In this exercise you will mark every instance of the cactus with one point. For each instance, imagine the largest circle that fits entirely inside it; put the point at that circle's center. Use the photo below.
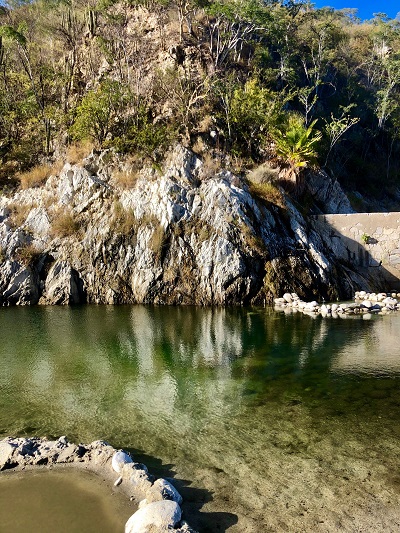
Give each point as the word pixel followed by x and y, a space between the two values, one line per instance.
pixel 47 128
pixel 66 21
pixel 1 50
pixel 91 21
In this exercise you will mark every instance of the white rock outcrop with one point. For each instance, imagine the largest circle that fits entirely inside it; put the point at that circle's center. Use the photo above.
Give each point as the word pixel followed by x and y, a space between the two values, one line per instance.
pixel 174 238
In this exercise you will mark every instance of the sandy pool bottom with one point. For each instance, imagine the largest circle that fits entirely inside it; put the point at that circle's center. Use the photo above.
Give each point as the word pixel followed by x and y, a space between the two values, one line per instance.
pixel 67 501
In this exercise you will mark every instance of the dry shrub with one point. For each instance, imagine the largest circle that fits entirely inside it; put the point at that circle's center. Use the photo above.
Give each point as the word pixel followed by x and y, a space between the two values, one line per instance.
pixel 211 166
pixel 57 167
pixel 18 214
pixel 27 254
pixel 199 147
pixel 268 192
pixel 49 201
pixel 206 124
pixel 124 179
pixel 77 152
pixel 157 240
pixel 34 177
pixel 264 173
pixel 64 224
pixel 123 220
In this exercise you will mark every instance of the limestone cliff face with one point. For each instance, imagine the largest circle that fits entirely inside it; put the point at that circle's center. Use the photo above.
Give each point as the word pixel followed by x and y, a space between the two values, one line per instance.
pixel 176 237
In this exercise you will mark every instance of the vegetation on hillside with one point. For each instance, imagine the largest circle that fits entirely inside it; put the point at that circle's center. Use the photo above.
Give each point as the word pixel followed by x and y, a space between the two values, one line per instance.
pixel 250 80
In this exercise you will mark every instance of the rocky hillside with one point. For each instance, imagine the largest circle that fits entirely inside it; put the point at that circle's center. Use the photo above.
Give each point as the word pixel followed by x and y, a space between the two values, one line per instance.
pixel 97 233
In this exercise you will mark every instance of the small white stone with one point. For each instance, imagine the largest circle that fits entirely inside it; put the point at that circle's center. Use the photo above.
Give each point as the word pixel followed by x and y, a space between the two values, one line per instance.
pixel 119 460
pixel 143 503
pixel 118 481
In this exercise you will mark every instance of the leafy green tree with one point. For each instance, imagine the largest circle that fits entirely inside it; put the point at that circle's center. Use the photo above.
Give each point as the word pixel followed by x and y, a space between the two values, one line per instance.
pixel 253 111
pixel 99 112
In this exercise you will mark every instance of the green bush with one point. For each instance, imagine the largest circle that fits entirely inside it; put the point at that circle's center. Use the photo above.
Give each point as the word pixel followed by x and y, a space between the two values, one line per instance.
pixel 99 113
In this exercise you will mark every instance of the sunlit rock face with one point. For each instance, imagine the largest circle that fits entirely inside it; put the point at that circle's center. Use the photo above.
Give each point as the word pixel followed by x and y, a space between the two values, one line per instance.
pixel 175 237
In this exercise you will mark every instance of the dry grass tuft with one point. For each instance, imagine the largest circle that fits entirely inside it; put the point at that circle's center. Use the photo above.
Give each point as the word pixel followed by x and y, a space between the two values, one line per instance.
pixel 157 240
pixel 34 177
pixel 264 173
pixel 77 152
pixel 211 166
pixel 125 179
pixel 268 192
pixel 18 214
pixel 27 254
pixel 64 224
pixel 199 147
pixel 57 167
pixel 123 220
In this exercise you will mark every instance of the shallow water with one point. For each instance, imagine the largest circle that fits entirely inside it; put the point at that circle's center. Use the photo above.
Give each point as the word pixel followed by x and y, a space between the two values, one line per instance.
pixel 67 501
pixel 269 422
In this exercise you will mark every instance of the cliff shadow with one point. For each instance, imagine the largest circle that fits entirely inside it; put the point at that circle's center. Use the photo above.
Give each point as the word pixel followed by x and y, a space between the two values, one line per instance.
pixel 364 262
pixel 194 498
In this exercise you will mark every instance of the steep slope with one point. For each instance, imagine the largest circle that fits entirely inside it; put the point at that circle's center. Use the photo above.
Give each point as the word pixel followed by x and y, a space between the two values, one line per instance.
pixel 175 238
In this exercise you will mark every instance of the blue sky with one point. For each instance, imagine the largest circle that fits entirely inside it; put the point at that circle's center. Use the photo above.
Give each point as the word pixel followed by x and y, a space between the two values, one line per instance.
pixel 365 7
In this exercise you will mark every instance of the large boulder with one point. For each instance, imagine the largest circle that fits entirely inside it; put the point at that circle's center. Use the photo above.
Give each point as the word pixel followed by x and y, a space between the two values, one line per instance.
pixel 155 517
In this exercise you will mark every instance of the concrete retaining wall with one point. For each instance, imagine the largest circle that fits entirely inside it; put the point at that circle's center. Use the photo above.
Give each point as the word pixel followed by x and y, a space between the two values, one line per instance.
pixel 365 240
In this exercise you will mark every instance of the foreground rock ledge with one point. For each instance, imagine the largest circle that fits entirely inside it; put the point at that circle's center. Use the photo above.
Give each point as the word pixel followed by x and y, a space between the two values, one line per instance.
pixel 157 500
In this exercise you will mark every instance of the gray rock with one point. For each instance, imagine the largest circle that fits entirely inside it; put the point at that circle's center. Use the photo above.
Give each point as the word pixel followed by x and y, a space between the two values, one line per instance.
pixel 62 286
pixel 328 192
pixel 139 480
pixel 19 285
pixel 157 516
pixel 179 238
pixel 67 454
pixel 163 490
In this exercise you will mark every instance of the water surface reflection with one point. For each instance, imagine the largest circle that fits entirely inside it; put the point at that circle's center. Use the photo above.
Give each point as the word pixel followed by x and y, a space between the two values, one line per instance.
pixel 242 401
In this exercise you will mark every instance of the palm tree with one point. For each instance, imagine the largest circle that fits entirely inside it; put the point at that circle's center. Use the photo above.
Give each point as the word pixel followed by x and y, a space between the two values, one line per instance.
pixel 296 143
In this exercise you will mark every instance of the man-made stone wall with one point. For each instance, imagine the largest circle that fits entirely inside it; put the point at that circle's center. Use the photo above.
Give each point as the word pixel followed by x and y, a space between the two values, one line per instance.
pixel 365 240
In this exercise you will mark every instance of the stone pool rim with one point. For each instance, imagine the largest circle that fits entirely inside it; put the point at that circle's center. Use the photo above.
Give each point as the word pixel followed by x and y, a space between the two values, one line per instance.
pixel 155 501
